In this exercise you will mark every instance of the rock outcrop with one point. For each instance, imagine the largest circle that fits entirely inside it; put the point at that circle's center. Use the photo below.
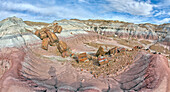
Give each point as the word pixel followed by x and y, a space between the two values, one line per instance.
pixel 117 28
pixel 14 32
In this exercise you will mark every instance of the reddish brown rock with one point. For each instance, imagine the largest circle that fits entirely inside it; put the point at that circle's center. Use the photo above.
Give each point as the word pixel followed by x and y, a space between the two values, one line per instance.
pixel 65 54
pixel 54 24
pixel 45 29
pixel 37 33
pixel 102 60
pixel 43 35
pixel 100 51
pixel 62 46
pixel 45 42
pixel 82 58
pixel 53 38
pixel 113 51
pixel 57 29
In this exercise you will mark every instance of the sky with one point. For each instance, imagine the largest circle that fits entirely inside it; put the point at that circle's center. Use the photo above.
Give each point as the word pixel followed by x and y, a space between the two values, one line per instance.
pixel 136 11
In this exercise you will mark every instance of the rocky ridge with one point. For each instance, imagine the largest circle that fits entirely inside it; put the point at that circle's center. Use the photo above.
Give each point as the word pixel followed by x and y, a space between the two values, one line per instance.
pixel 117 28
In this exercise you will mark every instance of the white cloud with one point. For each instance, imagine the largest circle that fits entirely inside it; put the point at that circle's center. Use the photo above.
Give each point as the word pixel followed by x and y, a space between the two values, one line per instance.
pixel 162 13
pixel 130 6
pixel 5 14
pixel 49 11
pixel 53 11
pixel 165 20
pixel 164 4
pixel 82 0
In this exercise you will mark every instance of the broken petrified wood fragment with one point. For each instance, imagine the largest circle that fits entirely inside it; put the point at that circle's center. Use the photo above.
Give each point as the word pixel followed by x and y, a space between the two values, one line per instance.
pixel 37 33
pixel 45 29
pixel 53 38
pixel 43 35
pixel 121 50
pixel 102 60
pixel 57 29
pixel 100 51
pixel 137 47
pixel 82 58
pixel 55 24
pixel 113 51
pixel 64 54
pixel 45 43
pixel 82 55
pixel 52 44
pixel 62 46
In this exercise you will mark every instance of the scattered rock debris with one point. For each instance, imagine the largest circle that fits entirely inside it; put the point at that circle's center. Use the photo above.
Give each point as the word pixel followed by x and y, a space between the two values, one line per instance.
pixel 137 47
pixel 82 58
pixel 100 63
pixel 102 60
pixel 103 63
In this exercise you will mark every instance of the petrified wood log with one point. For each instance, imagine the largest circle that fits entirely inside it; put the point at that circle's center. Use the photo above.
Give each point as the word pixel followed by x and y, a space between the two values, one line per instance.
pixel 37 33
pixel 82 55
pixel 45 29
pixel 45 43
pixel 43 35
pixel 53 38
pixel 57 29
pixel 82 58
pixel 62 46
pixel 52 44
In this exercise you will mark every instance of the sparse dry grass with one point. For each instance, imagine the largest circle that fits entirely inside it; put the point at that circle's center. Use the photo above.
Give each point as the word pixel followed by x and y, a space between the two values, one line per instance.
pixel 145 42
pixel 134 39
pixel 130 43
pixel 159 48
pixel 97 45
pixel 30 23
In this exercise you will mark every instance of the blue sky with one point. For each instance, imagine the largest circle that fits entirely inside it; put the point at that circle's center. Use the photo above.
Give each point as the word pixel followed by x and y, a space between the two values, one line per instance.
pixel 136 11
